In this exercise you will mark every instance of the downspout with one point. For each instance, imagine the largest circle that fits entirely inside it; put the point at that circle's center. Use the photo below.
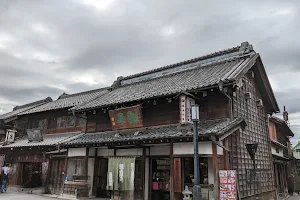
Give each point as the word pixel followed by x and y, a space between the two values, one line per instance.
pixel 221 87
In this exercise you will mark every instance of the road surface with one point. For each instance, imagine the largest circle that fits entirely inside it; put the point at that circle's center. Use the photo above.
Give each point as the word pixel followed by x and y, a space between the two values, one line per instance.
pixel 20 196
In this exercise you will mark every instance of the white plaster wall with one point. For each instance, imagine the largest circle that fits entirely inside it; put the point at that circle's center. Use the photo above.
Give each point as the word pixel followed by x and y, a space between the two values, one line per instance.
pixel 72 152
pixel 91 165
pixel 188 148
pixel 129 152
pixel 159 150
pixel 92 152
pixel 105 152
pixel 275 153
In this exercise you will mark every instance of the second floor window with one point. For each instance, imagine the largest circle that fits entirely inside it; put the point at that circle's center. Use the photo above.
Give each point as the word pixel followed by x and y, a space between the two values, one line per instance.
pixel 39 124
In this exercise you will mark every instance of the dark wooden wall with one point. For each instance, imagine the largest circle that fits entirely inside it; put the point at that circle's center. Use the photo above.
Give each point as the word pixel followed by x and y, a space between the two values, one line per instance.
pixel 213 106
pixel 25 122
pixel 256 131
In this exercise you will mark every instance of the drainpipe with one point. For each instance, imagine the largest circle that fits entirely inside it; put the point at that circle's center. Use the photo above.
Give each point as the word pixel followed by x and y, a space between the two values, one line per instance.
pixel 221 87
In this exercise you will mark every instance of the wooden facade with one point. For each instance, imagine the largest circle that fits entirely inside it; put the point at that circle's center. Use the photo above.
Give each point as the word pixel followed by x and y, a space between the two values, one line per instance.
pixel 255 132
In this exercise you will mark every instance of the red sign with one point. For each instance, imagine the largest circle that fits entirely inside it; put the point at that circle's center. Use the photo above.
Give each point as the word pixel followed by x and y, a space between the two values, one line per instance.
pixel 123 118
pixel 227 184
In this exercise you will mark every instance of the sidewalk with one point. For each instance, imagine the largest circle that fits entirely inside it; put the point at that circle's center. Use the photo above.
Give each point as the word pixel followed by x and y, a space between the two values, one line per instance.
pixel 295 197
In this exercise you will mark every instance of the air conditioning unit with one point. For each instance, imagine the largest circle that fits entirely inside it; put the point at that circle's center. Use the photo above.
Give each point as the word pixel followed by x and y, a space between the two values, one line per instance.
pixel 10 135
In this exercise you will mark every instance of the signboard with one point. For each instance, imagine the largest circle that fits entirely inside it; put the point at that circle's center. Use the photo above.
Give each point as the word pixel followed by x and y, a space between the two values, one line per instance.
pixel 10 136
pixel 227 184
pixel 122 118
pixel 177 175
pixel 34 135
pixel 185 109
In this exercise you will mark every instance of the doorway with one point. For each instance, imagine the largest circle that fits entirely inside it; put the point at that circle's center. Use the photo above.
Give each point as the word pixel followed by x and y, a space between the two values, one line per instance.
pixel 100 178
pixel 160 179
pixel 32 175
pixel 56 176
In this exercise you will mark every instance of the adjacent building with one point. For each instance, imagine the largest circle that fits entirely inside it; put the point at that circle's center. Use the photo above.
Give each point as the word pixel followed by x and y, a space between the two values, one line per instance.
pixel 133 140
pixel 280 134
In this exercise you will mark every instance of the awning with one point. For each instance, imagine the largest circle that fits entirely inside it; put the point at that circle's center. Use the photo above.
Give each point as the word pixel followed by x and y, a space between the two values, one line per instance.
pixel 48 140
pixel 217 128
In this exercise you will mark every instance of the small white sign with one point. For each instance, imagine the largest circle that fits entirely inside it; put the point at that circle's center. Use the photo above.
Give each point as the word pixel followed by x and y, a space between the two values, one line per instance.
pixel 121 172
pixel 110 179
pixel 10 135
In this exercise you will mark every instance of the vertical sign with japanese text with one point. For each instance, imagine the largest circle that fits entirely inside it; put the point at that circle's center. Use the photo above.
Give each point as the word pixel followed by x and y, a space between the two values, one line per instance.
pixel 227 184
pixel 123 118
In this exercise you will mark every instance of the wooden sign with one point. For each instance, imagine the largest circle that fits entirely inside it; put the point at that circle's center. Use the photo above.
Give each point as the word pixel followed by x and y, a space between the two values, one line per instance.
pixel 185 103
pixel 227 184
pixel 123 118
pixel 34 135
pixel 177 175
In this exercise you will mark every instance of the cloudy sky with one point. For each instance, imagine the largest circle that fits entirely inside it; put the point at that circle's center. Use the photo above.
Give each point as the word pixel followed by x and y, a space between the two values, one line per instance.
pixel 51 47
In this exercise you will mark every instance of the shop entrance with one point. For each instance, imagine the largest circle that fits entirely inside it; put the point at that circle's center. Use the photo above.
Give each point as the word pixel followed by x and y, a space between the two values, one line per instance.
pixel 32 176
pixel 101 180
pixel 160 179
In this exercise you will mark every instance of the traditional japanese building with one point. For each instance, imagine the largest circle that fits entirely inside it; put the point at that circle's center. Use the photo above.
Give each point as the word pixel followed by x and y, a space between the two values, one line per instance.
pixel 36 158
pixel 138 141
pixel 280 134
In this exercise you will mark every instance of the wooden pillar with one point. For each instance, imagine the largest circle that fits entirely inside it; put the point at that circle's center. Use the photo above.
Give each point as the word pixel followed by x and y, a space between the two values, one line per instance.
pixel 281 177
pixel 276 177
pixel 144 171
pixel 48 175
pixel 96 173
pixel 226 156
pixel 150 178
pixel 65 171
pixel 172 194
pixel 86 163
pixel 215 169
pixel 285 177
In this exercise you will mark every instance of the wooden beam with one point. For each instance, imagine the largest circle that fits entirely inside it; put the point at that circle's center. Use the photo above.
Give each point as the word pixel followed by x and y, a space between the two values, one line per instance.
pixel 215 169
pixel 86 163
pixel 226 155
pixel 144 171
pixel 172 194
pixel 65 171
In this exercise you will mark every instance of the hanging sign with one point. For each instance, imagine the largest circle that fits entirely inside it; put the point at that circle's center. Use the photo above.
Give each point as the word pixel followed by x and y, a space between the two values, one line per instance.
pixel 177 175
pixel 227 184
pixel 130 117
pixel 185 103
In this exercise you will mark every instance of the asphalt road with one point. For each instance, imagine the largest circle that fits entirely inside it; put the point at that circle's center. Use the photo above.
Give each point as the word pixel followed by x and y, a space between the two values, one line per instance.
pixel 20 196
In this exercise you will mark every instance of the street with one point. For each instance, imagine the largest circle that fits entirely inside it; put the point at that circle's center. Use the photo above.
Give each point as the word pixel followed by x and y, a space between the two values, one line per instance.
pixel 18 196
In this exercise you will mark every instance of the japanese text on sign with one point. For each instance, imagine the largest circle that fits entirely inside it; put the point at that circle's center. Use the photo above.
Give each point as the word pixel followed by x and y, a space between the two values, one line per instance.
pixel 126 117
pixel 227 184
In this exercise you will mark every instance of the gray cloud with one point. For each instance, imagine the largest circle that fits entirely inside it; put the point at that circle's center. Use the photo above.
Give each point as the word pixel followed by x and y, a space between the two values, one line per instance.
pixel 50 47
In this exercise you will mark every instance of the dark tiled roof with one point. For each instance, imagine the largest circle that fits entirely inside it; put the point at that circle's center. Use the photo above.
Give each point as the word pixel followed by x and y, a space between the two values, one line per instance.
pixel 49 140
pixel 20 109
pixel 283 125
pixel 185 76
pixel 206 128
pixel 67 101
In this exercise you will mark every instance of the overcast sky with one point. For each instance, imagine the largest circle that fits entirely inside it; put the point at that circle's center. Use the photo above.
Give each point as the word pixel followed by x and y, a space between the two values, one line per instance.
pixel 54 46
